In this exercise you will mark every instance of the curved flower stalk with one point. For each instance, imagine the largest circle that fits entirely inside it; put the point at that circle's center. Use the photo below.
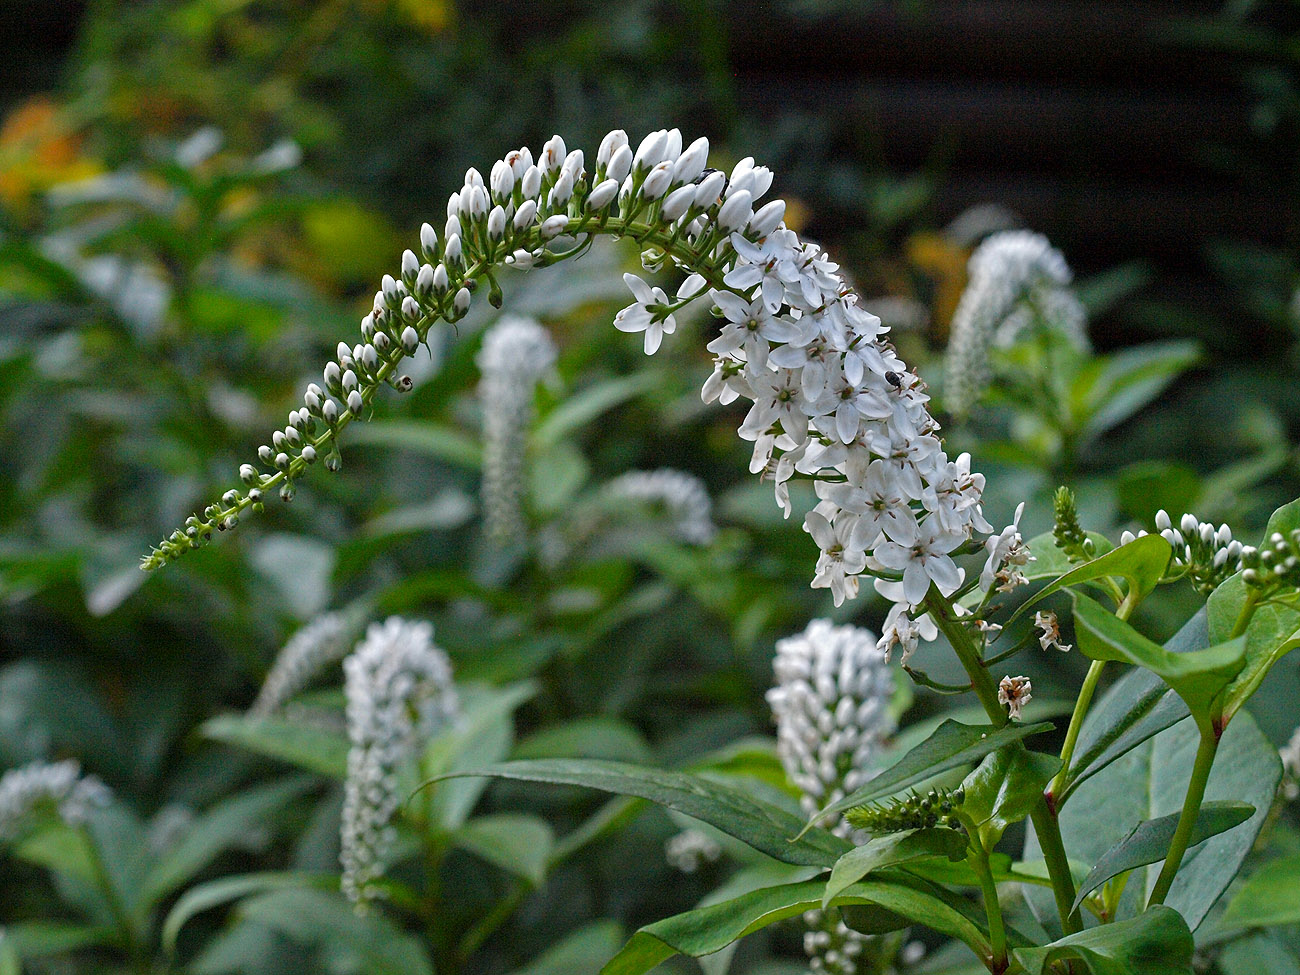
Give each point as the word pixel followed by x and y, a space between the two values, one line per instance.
pixel 831 400
pixel 516 353
pixel 1016 279
pixel 57 784
pixel 399 690
pixel 831 705
pixel 310 650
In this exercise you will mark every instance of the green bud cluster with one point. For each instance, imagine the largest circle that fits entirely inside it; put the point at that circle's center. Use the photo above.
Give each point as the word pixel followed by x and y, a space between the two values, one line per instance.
pixel 938 807
pixel 1067 531
pixel 1275 564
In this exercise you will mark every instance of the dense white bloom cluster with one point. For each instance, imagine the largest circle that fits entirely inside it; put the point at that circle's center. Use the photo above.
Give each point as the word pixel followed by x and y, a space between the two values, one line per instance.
pixel 399 690
pixel 690 849
pixel 831 705
pixel 310 650
pixel 1016 279
pixel 516 353
pixel 830 398
pixel 681 497
pixel 58 784
pixel 1205 552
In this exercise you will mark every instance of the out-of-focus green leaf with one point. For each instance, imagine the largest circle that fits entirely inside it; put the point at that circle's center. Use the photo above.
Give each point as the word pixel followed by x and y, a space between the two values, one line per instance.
pixel 312 748
pixel 516 842
pixel 214 893
pixel 583 407
pixel 581 953
pixel 1110 389
pixel 1268 897
pixel 1155 943
pixel 430 439
pixel 596 737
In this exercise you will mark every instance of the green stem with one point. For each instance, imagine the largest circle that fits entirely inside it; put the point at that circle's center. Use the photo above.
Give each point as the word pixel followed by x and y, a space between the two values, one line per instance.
pixel 979 861
pixel 1187 818
pixel 1044 818
pixel 1076 723
pixel 1247 611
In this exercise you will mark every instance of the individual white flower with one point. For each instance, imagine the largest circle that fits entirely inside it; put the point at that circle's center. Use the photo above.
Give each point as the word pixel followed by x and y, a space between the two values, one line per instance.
pixel 840 563
pixel 516 353
pixel 752 328
pixel 882 508
pixel 640 317
pixel 1008 271
pixel 57 785
pixel 323 641
pixel 923 561
pixel 778 398
pixel 1008 553
pixel 902 630
pixel 1013 694
pixel 690 849
pixel 399 691
pixel 1050 631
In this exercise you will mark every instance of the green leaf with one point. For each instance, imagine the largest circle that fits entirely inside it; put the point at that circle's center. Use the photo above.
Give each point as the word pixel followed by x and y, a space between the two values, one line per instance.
pixel 215 830
pixel 709 929
pixel 421 437
pixel 320 918
pixel 1005 788
pixel 581 953
pixel 1148 842
pixel 1273 632
pixel 579 410
pixel 1142 562
pixel 40 939
pixel 1112 388
pixel 10 962
pixel 1137 707
pixel 594 737
pixel 952 745
pixel 1156 943
pixel 1150 782
pixel 214 893
pixel 893 848
pixel 516 842
pixel 1268 897
pixel 304 746
pixel 1196 676
pixel 765 827
pixel 1050 561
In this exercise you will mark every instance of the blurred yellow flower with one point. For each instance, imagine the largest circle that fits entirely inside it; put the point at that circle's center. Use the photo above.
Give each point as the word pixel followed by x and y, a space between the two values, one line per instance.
pixel 38 149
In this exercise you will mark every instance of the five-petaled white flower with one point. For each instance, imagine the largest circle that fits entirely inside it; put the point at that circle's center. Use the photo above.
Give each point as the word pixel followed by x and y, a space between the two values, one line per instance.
pixel 646 315
pixel 923 561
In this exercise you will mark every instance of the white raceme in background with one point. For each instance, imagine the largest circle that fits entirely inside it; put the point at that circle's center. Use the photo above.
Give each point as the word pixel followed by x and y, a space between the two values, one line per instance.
pixel 680 499
pixel 690 849
pixel 59 785
pixel 831 706
pixel 1016 280
pixel 516 353
pixel 323 641
pixel 399 692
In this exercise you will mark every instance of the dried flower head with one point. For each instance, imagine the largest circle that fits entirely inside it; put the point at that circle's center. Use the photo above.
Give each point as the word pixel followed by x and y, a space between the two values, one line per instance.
pixel 1014 693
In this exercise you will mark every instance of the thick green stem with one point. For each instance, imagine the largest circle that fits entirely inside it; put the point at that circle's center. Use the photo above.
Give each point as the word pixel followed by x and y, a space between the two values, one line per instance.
pixel 1247 611
pixel 1044 818
pixel 1076 723
pixel 1187 818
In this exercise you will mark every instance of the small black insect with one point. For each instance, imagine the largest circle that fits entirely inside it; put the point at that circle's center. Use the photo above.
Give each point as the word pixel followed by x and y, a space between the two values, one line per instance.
pixel 894 379
pixel 706 174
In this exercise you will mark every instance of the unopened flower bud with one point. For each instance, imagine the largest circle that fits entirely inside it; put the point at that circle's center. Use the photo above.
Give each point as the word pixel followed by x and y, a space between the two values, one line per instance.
pixel 392 296
pixel 248 474
pixel 496 223
pixel 560 192
pixel 440 279
pixel 410 308
pixel 657 183
pixel 410 266
pixel 691 162
pixel 282 461
pixel 329 411
pixel 454 252
pixel 553 154
pixel 602 195
pixel 355 402
pixel 452 228
pixel 531 184
pixel 265 454
pixel 554 226
pixel 429 242
pixel 651 150
pixel 678 202
pixel 349 381
pixel 525 215
pixel 462 300
pixel 309 454
pixel 735 210
pixel 615 140
pixel 503 180
pixel 424 280
pixel 766 218
pixel 410 339
pixel 620 164
pixel 710 188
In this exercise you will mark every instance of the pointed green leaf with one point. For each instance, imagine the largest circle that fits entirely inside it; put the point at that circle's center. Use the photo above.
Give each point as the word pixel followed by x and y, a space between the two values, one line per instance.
pixel 1005 788
pixel 952 745
pixel 1155 943
pixel 421 437
pixel 40 939
pixel 1111 388
pixel 312 748
pixel 709 929
pixel 1050 561
pixel 763 826
pixel 1142 562
pixel 1148 842
pixel 583 407
pixel 214 893
pixel 893 848
pixel 1197 676
pixel 581 953
pixel 516 842
pixel 1268 897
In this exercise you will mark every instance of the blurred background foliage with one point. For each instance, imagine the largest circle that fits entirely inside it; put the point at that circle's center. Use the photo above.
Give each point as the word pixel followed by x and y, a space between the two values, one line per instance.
pixel 197 198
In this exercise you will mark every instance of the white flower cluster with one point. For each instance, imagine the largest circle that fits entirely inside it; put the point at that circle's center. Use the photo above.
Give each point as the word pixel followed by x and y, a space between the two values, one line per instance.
pixel 1016 278
pixel 831 705
pixel 516 353
pixel 399 690
pixel 690 849
pixel 1204 552
pixel 310 650
pixel 681 497
pixel 831 399
pixel 58 784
